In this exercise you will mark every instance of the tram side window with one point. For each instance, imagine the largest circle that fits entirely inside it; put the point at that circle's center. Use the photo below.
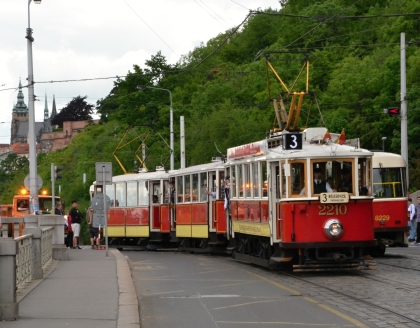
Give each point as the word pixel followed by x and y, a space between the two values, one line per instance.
pixel 363 176
pixel 240 180
pixel 203 186
pixel 194 191
pixel 263 179
pixel 166 192
pixel 297 178
pixel 248 186
pixel 143 193
pixel 282 186
pixel 233 182
pixel 256 182
pixel 179 189
pixel 110 192
pixel 156 193
pixel 131 193
pixel 187 195
pixel 120 194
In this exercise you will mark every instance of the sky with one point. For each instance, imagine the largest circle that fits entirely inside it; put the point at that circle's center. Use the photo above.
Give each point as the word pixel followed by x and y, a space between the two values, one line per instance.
pixel 85 39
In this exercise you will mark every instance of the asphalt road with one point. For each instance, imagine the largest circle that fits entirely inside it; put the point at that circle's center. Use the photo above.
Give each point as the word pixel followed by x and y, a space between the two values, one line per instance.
pixel 189 291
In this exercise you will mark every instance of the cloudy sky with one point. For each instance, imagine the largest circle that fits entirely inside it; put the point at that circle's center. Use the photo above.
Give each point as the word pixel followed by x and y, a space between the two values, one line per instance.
pixel 84 39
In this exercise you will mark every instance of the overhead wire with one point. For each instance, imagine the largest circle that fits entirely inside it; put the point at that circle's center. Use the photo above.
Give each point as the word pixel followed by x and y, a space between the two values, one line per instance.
pixel 151 29
pixel 209 13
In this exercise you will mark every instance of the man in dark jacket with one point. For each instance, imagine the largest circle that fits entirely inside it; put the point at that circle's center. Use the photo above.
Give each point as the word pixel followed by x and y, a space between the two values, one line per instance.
pixel 76 218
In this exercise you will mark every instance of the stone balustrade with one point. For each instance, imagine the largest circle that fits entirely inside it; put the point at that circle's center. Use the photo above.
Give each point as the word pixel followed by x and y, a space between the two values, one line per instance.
pixel 25 258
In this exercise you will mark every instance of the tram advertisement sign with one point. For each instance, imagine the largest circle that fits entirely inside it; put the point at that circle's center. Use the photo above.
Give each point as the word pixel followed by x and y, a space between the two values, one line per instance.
pixel 334 197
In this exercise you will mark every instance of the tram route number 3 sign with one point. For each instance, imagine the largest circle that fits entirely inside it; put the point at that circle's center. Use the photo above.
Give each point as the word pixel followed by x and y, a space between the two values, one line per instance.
pixel 334 197
pixel 292 141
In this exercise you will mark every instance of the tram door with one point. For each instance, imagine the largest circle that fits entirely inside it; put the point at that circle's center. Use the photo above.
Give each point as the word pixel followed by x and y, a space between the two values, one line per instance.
pixel 154 201
pixel 275 193
pixel 212 186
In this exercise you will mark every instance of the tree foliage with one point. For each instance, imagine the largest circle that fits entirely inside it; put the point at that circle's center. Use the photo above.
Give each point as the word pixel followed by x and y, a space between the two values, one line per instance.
pixel 76 110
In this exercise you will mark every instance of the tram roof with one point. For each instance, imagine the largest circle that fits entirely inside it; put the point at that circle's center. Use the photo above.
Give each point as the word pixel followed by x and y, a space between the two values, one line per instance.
pixel 309 150
pixel 218 165
pixel 385 159
pixel 155 175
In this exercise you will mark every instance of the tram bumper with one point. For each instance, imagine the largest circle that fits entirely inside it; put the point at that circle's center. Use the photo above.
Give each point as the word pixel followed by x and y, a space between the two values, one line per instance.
pixel 340 256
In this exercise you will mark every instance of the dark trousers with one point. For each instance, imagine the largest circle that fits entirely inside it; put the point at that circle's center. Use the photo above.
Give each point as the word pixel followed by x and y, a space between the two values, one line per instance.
pixel 418 232
pixel 69 239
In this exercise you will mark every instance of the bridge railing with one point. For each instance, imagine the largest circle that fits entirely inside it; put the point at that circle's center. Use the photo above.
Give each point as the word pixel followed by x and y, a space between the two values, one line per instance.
pixel 25 258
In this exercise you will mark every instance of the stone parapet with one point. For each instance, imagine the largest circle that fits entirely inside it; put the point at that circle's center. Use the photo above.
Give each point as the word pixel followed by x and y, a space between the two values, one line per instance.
pixel 9 308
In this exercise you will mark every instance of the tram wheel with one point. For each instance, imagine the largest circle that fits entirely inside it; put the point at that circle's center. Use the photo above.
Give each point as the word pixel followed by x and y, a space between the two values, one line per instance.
pixel 380 250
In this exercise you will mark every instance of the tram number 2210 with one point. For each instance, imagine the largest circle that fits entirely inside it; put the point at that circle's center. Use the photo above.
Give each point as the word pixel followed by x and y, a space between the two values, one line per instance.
pixel 333 209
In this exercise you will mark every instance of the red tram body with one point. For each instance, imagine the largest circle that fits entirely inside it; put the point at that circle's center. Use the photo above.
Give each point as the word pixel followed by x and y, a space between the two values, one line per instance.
pixel 390 203
pixel 200 219
pixel 277 216
pixel 139 214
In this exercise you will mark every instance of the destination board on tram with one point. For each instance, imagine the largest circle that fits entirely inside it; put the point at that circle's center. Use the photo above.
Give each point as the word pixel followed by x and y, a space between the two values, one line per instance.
pixel 292 141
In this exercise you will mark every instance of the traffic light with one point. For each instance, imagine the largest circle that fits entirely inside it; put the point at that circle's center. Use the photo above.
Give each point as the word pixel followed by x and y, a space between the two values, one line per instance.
pixel 57 169
pixel 392 111
pixel 54 172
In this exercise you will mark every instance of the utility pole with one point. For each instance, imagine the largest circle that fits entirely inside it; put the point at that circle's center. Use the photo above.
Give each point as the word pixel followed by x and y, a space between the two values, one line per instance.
pixel 403 97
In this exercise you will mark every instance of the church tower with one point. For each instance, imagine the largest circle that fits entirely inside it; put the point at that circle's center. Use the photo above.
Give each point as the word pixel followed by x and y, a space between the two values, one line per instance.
pixel 46 112
pixel 20 114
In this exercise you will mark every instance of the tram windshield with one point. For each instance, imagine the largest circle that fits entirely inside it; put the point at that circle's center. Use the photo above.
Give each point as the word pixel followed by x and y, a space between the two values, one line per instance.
pixel 388 182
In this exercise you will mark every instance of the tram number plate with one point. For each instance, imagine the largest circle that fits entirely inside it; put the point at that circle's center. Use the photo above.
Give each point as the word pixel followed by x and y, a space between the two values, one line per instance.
pixel 334 197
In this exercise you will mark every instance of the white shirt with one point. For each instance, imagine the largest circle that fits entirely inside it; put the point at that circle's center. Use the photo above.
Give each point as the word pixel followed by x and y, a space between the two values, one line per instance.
pixel 412 210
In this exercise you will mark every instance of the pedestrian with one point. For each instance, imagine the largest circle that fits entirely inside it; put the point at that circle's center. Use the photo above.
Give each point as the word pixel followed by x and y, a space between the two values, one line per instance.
pixel 411 211
pixel 93 231
pixel 59 209
pixel 418 222
pixel 76 218
pixel 69 238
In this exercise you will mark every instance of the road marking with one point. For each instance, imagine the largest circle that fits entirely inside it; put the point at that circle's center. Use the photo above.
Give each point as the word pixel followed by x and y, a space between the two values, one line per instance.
pixel 173 291
pixel 241 283
pixel 244 304
pixel 325 307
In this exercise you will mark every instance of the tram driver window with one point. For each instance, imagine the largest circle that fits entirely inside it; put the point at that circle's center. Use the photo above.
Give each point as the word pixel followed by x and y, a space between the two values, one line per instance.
pixel 297 178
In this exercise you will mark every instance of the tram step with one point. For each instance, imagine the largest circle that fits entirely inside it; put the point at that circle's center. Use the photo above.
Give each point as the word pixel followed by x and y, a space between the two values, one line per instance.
pixel 281 259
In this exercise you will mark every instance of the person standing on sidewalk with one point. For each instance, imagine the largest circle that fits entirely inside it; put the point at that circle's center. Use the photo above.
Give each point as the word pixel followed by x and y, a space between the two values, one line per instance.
pixel 411 211
pixel 93 231
pixel 76 217
pixel 418 222
pixel 59 209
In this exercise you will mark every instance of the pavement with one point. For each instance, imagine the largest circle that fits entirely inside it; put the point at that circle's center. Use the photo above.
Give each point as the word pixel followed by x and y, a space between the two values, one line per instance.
pixel 90 290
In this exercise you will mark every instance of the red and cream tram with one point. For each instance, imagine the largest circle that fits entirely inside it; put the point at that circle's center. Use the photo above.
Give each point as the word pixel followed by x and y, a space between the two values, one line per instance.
pixel 200 220
pixel 280 215
pixel 139 215
pixel 390 203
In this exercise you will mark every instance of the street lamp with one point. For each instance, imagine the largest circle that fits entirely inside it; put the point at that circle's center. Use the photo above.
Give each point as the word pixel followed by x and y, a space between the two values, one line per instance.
pixel 383 143
pixel 171 120
pixel 33 178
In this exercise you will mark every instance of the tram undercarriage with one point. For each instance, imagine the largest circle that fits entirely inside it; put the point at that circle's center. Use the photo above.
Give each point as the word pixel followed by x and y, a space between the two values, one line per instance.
pixel 216 244
pixel 299 258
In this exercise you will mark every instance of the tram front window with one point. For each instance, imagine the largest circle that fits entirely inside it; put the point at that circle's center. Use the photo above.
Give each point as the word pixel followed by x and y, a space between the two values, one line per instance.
pixel 387 183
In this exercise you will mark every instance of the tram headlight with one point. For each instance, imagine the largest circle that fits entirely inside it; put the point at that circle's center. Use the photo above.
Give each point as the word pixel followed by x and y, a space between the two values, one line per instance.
pixel 333 228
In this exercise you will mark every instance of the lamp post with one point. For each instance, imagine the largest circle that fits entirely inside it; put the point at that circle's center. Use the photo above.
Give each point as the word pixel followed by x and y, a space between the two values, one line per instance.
pixel 171 121
pixel 383 143
pixel 33 183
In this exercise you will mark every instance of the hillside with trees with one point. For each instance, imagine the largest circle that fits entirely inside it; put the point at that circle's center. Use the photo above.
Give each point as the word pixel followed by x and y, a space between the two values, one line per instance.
pixel 222 90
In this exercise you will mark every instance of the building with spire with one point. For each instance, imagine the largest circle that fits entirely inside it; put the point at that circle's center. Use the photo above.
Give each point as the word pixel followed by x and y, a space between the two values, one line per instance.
pixel 46 138
pixel 20 121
